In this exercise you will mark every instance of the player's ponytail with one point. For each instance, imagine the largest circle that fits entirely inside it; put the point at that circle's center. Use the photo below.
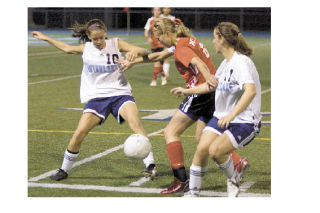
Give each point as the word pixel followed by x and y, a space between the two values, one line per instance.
pixel 234 37
pixel 166 25
pixel 82 30
pixel 183 31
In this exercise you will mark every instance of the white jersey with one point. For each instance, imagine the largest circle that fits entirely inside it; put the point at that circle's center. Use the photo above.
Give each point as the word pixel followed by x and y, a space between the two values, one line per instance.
pixel 172 18
pixel 101 76
pixel 148 25
pixel 231 76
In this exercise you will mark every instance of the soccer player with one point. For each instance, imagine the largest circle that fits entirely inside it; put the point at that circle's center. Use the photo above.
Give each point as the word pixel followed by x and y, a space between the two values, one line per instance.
pixel 104 88
pixel 166 14
pixel 194 64
pixel 156 47
pixel 237 119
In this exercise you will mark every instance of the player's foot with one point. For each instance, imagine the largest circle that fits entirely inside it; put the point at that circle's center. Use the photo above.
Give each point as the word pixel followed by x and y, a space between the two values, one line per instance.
pixel 163 81
pixel 191 194
pixel 153 83
pixel 232 188
pixel 177 186
pixel 150 171
pixel 240 167
pixel 59 175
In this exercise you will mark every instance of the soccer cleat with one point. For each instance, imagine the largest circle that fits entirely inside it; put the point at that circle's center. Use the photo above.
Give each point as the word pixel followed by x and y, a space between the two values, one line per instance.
pixel 177 186
pixel 59 175
pixel 163 81
pixel 191 194
pixel 232 188
pixel 240 167
pixel 153 83
pixel 150 171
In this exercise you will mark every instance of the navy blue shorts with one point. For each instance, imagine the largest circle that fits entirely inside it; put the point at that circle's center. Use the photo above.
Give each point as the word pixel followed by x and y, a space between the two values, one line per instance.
pixel 199 106
pixel 240 134
pixel 103 106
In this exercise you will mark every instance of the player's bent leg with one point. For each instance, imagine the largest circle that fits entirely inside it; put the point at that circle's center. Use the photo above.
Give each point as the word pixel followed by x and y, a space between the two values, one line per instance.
pixel 220 151
pixel 200 126
pixel 200 162
pixel 86 123
pixel 129 112
pixel 178 124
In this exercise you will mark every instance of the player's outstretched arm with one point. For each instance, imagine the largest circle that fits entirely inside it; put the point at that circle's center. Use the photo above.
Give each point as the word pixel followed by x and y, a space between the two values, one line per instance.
pixel 152 57
pixel 132 51
pixel 207 87
pixel 58 44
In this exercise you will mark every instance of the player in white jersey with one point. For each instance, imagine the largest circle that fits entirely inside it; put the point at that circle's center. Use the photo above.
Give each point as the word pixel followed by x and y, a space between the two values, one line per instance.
pixel 236 120
pixel 166 14
pixel 104 88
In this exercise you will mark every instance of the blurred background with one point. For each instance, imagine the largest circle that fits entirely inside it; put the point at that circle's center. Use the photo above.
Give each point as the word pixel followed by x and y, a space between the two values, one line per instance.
pixel 132 19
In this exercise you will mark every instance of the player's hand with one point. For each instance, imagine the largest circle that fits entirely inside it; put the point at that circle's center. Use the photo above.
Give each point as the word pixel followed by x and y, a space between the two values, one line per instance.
pixel 149 40
pixel 39 35
pixel 131 56
pixel 124 64
pixel 224 122
pixel 213 82
pixel 178 91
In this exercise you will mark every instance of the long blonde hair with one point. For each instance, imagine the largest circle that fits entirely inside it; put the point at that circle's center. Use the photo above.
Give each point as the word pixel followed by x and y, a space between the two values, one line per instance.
pixel 233 36
pixel 166 25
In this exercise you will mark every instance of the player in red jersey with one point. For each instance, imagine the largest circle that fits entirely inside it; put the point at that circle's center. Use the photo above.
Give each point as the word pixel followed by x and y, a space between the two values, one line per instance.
pixel 194 64
pixel 155 47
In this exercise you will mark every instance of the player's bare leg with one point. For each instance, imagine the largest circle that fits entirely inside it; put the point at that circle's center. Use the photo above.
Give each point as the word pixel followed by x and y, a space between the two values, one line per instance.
pixel 129 112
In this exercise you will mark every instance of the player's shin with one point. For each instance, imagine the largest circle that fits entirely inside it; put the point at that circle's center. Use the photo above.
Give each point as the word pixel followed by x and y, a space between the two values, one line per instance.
pixel 176 157
pixel 196 175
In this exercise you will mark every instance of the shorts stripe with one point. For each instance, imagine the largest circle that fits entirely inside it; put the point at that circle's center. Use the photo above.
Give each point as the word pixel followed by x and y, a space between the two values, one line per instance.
pixel 187 104
pixel 94 112
pixel 211 129
pixel 118 116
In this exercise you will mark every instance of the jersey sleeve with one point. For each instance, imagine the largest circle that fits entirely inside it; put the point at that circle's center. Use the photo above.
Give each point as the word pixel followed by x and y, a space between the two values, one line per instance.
pixel 244 73
pixel 147 26
pixel 185 55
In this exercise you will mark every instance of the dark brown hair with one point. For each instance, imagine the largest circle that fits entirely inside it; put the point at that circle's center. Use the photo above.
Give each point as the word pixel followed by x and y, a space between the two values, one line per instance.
pixel 82 30
pixel 234 37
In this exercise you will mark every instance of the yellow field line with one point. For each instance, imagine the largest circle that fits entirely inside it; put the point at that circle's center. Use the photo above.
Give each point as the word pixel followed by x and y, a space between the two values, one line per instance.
pixel 116 133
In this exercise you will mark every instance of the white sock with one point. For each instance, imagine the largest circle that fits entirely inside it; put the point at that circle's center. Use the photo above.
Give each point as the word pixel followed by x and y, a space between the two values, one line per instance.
pixel 68 160
pixel 149 159
pixel 228 169
pixel 196 175
pixel 165 68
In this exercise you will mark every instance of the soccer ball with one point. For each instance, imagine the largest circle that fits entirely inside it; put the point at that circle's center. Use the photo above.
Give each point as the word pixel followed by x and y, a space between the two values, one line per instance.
pixel 137 146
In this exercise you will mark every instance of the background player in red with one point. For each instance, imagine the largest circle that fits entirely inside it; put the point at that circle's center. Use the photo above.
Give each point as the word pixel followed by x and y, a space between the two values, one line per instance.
pixel 155 47
pixel 194 64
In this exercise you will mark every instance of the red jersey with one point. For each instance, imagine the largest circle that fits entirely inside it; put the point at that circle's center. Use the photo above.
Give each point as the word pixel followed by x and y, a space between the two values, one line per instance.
pixel 149 26
pixel 186 49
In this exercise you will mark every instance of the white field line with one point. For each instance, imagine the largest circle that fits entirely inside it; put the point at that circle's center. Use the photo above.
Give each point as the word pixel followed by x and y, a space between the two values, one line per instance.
pixel 132 189
pixel 265 91
pixel 140 181
pixel 246 185
pixel 56 79
pixel 88 159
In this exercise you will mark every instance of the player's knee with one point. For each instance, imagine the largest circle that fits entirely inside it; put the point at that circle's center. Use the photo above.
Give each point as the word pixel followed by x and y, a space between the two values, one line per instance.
pixel 214 152
pixel 202 151
pixel 168 132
